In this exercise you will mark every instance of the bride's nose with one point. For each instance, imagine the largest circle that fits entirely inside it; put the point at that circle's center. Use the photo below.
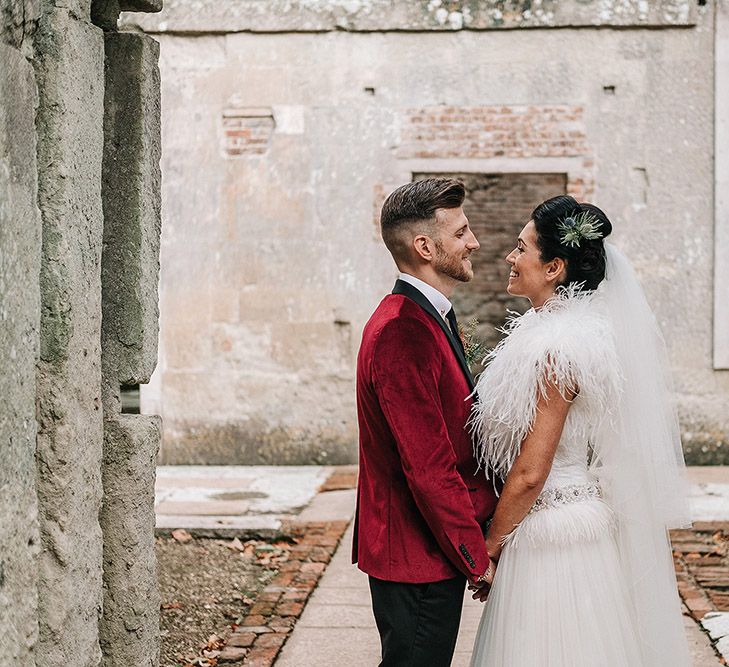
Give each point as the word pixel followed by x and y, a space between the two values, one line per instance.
pixel 510 258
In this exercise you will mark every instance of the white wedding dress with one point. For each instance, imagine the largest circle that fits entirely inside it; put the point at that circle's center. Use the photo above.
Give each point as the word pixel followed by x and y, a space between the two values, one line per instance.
pixel 571 580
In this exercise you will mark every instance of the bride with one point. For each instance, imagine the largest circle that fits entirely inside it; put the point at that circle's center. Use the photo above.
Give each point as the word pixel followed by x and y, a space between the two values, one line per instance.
pixel 574 415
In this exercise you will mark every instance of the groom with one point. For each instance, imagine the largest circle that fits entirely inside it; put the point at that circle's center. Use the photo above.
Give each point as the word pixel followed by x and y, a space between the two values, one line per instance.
pixel 420 501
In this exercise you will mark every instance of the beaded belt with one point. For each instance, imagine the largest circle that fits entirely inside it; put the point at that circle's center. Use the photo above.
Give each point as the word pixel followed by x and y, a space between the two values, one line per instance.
pixel 565 494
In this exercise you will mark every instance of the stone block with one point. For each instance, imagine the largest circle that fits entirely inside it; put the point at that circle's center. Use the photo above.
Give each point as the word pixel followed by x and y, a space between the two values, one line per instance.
pixel 129 626
pixel 20 252
pixel 420 15
pixel 141 5
pixel 69 123
pixel 19 18
pixel 105 14
pixel 131 195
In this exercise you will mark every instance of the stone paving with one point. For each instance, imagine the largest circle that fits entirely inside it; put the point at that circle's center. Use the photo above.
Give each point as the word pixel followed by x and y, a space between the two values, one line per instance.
pixel 217 501
pixel 317 610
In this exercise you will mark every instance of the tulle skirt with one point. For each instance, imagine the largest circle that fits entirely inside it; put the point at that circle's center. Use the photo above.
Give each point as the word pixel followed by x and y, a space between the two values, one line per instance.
pixel 558 599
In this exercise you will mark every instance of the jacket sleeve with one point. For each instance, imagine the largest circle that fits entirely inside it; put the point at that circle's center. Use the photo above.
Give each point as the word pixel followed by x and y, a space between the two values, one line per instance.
pixel 406 370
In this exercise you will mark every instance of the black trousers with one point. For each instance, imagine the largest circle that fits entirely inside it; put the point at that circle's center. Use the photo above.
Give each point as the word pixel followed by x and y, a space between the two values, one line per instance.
pixel 418 623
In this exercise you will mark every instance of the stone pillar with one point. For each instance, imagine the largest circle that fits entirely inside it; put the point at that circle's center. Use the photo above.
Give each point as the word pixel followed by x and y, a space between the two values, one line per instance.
pixel 69 66
pixel 20 251
pixel 130 270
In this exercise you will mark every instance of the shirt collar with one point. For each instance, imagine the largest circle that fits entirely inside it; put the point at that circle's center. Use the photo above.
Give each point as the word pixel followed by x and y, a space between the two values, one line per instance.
pixel 436 298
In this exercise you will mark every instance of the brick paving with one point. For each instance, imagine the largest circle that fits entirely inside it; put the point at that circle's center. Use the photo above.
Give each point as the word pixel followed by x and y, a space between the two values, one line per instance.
pixel 258 639
pixel 701 557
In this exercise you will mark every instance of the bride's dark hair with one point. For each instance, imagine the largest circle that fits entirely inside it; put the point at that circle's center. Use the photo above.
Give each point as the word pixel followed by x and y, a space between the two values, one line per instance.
pixel 585 262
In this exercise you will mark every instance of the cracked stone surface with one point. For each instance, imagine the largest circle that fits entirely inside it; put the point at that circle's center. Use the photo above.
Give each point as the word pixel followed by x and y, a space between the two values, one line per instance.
pixel 420 15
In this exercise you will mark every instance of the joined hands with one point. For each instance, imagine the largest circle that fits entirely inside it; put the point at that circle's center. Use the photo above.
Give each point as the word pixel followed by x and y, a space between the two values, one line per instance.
pixel 483 587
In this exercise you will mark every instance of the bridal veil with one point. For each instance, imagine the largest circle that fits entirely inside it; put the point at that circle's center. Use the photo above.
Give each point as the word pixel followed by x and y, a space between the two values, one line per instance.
pixel 638 458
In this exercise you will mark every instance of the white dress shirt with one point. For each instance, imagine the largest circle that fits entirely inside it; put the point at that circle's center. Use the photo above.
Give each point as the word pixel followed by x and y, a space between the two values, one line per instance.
pixel 436 298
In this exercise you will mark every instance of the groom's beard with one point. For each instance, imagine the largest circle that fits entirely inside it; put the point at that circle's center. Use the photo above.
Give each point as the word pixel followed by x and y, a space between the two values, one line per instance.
pixel 450 265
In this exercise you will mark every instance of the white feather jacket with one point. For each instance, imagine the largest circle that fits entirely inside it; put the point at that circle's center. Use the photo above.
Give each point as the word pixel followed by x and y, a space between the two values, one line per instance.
pixel 569 341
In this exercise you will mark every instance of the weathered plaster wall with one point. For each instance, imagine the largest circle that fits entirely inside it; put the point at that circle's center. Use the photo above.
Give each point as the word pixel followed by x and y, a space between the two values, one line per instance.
pixel 60 577
pixel 20 245
pixel 721 187
pixel 271 256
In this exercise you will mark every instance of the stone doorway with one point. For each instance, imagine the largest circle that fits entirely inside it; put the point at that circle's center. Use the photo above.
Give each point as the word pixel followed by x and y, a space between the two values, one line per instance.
pixel 497 206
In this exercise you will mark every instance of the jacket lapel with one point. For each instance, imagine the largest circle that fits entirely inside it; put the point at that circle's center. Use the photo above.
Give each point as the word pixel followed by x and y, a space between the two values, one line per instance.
pixel 414 294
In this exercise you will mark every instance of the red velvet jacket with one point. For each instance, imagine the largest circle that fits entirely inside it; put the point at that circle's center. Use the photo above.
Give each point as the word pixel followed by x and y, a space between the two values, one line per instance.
pixel 420 502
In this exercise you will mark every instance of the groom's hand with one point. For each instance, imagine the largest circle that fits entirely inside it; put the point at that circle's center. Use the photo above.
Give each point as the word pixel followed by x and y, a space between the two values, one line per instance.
pixel 481 594
pixel 482 587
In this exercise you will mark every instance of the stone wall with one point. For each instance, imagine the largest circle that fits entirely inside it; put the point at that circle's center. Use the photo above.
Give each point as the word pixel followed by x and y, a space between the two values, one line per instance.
pixel 20 253
pixel 300 117
pixel 129 271
pixel 73 567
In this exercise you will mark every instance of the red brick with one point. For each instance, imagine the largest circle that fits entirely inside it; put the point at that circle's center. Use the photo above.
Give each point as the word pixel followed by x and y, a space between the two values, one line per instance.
pixel 300 551
pixel 263 608
pixel 720 599
pixel 306 578
pixel 280 624
pixel 242 639
pixel 692 594
pixel 321 554
pixel 283 578
pixel 699 605
pixel 274 639
pixel 268 595
pixel 296 595
pixel 261 657
pixel 232 654
pixel 315 568
pixel 290 566
pixel 289 608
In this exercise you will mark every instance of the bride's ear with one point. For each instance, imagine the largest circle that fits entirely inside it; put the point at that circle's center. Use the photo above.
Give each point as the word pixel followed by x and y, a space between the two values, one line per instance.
pixel 556 271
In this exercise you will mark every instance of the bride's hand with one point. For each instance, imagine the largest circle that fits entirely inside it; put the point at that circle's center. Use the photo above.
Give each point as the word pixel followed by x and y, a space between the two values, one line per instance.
pixel 481 592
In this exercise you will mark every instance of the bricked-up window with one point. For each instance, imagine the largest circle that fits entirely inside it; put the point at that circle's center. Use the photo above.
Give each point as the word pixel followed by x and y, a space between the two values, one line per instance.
pixel 497 206
pixel 247 131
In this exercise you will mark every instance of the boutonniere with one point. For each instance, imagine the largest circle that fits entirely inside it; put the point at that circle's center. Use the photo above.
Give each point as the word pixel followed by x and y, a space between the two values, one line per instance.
pixel 472 347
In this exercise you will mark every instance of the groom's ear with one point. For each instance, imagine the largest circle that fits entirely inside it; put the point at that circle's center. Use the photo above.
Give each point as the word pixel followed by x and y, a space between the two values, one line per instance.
pixel 424 247
pixel 556 270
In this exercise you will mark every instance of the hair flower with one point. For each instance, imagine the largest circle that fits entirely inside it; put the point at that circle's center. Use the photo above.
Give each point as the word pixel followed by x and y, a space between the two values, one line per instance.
pixel 579 227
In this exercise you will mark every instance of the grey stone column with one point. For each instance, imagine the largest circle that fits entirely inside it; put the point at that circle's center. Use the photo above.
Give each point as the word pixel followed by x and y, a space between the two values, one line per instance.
pixel 70 78
pixel 20 251
pixel 130 271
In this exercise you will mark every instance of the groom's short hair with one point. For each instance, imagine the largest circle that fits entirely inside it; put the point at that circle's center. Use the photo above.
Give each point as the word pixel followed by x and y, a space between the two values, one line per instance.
pixel 411 210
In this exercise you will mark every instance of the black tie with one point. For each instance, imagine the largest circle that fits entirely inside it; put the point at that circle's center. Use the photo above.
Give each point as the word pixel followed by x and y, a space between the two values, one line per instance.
pixel 453 323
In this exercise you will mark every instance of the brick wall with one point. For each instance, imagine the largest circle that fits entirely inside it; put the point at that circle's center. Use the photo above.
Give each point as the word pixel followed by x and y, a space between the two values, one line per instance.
pixel 497 206
pixel 512 132
pixel 247 131
pixel 484 132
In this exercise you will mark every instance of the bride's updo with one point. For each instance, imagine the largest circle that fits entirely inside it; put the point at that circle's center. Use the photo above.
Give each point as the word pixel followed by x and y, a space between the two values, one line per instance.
pixel 574 232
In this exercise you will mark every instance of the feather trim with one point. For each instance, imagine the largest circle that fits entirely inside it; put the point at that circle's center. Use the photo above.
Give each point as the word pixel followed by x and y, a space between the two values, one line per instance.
pixel 568 343
pixel 585 521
